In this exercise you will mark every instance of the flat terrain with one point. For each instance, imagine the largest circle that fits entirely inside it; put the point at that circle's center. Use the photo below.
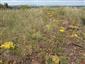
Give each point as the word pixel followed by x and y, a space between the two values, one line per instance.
pixel 39 33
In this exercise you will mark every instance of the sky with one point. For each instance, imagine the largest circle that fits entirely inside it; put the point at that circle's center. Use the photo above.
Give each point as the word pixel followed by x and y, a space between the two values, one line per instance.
pixel 45 2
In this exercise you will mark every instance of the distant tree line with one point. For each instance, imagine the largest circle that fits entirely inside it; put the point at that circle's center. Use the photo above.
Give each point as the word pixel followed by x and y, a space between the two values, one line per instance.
pixel 6 6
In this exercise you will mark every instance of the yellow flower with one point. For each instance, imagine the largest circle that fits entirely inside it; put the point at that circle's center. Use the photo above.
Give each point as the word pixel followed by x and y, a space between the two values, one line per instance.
pixel 55 59
pixel 62 29
pixel 7 45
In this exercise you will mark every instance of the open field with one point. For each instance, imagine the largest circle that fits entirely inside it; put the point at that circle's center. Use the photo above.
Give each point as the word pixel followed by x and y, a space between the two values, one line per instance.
pixel 42 36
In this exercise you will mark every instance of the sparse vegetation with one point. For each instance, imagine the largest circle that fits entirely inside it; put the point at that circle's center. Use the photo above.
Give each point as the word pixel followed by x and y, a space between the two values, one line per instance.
pixel 43 35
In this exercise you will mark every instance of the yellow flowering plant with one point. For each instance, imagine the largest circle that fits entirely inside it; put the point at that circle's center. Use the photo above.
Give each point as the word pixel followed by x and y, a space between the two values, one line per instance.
pixel 55 59
pixel 62 29
pixel 52 59
pixel 8 45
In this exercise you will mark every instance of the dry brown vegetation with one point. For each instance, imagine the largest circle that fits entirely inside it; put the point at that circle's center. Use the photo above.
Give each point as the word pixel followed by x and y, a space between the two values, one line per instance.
pixel 39 33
